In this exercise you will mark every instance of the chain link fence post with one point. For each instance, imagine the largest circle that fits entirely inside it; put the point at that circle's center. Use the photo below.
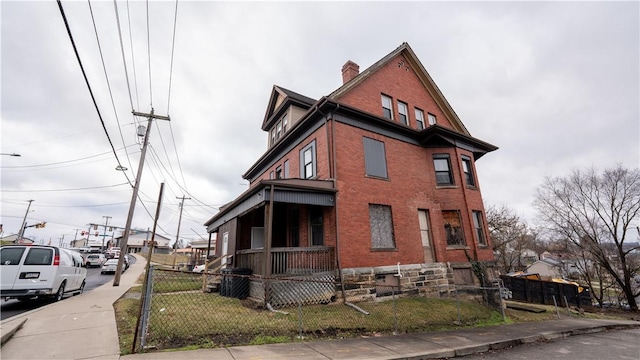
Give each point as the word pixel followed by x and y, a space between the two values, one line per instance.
pixel 146 309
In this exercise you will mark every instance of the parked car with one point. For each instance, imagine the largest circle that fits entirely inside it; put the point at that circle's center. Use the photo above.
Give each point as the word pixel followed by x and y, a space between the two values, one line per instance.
pixel 95 260
pixel 198 268
pixel 30 271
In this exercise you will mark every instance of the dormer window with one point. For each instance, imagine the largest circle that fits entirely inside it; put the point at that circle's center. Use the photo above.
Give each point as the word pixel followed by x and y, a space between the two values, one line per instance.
pixel 279 130
pixel 285 121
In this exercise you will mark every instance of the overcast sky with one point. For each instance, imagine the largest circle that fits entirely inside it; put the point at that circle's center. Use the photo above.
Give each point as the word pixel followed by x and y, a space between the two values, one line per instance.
pixel 555 85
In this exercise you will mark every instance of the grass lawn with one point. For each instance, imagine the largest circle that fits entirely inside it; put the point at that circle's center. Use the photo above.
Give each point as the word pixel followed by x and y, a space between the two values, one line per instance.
pixel 194 319
pixel 183 317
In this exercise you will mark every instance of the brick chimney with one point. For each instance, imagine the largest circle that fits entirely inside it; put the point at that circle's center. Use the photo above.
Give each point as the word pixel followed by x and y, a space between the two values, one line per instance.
pixel 349 71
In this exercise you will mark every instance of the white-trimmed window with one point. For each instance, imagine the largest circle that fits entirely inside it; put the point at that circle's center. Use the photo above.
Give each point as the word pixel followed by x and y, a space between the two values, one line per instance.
pixel 285 122
pixel 279 172
pixel 420 119
pixel 279 130
pixel 273 136
pixel 468 172
pixel 403 113
pixel 432 119
pixel 308 161
pixel 387 107
pixel 478 224
pixel 286 169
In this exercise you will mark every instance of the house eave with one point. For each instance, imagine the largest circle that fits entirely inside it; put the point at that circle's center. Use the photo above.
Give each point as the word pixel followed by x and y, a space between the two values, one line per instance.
pixel 318 192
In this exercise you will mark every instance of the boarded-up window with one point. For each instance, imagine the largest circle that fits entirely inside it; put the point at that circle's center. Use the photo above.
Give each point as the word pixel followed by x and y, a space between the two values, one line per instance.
pixel 453 227
pixel 375 160
pixel 381 227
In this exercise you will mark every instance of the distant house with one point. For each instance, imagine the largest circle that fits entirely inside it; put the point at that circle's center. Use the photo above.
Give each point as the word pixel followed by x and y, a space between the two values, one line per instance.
pixel 139 241
pixel 546 268
pixel 376 179
pixel 15 239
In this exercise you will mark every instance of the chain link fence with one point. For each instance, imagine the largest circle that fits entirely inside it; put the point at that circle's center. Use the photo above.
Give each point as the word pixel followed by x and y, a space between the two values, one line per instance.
pixel 215 310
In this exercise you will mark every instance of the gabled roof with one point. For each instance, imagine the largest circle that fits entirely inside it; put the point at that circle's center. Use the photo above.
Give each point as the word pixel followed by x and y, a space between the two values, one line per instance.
pixel 275 110
pixel 422 74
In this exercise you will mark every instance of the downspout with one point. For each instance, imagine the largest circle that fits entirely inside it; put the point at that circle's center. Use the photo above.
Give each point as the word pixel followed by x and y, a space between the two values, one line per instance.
pixel 332 175
pixel 466 204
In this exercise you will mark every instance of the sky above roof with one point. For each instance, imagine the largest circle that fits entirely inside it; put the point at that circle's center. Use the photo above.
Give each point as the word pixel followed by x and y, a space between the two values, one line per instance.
pixel 555 85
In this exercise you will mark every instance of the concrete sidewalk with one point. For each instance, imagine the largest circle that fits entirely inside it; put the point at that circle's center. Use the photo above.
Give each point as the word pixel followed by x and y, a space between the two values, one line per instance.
pixel 84 327
pixel 78 327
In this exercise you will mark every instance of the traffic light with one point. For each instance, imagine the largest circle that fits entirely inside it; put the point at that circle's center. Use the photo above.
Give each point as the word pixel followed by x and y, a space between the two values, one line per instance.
pixel 40 225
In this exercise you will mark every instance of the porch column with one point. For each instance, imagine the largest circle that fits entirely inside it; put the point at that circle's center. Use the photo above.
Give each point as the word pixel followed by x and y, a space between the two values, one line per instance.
pixel 267 246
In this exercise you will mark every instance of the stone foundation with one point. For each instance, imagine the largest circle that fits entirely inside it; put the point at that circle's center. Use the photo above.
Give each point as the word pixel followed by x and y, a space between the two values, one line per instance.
pixel 373 283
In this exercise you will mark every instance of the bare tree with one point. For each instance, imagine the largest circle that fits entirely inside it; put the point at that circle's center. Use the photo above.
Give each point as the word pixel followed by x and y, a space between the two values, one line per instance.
pixel 510 238
pixel 595 212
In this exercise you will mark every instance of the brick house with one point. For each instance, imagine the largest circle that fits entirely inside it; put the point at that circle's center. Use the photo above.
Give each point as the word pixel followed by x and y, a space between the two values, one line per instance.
pixel 373 183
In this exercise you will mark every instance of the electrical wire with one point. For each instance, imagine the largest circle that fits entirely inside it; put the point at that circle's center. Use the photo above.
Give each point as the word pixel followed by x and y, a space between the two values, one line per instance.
pixel 84 74
pixel 173 46
pixel 133 61
pixel 56 190
pixel 149 57
pixel 104 67
pixel 60 162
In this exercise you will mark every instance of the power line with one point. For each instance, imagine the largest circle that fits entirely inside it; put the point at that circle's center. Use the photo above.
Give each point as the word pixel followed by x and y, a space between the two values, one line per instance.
pixel 104 67
pixel 57 190
pixel 84 74
pixel 149 57
pixel 59 162
pixel 173 45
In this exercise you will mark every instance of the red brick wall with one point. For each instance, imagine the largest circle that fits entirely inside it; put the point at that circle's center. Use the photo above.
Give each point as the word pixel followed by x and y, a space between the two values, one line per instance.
pixel 411 186
pixel 400 83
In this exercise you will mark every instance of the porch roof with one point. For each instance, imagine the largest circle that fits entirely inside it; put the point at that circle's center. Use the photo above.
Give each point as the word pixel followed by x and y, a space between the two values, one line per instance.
pixel 293 191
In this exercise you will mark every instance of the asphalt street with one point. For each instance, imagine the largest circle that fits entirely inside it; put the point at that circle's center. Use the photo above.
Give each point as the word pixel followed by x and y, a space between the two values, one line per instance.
pixel 622 344
pixel 14 307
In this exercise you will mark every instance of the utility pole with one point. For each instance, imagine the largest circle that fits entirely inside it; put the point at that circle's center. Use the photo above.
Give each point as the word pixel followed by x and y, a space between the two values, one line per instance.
pixel 175 246
pixel 24 221
pixel 104 234
pixel 125 237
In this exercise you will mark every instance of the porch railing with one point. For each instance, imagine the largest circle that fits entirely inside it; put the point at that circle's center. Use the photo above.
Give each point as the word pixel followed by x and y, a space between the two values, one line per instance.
pixel 288 260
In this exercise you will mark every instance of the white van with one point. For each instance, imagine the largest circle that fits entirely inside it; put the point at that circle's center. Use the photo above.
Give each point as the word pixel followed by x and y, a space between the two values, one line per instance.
pixel 30 271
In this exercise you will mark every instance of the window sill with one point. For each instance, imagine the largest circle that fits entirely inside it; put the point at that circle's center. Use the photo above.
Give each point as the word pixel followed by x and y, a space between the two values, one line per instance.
pixel 376 177
pixel 446 187
pixel 472 187
pixel 383 249
pixel 457 247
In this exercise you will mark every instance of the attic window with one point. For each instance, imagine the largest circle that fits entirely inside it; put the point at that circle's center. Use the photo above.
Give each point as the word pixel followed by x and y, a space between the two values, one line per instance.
pixel 403 113
pixel 387 107
pixel 432 119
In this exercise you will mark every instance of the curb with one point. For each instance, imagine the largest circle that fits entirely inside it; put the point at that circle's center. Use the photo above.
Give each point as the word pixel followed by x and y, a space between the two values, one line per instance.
pixel 6 335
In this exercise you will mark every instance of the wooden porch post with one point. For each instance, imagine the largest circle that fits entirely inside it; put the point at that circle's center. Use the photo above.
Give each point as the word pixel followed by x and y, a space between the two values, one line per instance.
pixel 267 247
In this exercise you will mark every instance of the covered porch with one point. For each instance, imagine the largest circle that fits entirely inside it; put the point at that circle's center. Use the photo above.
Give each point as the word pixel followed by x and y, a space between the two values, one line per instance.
pixel 283 227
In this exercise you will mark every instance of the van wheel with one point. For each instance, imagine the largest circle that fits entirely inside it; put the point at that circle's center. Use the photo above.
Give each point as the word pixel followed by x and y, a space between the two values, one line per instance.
pixel 60 294
pixel 81 288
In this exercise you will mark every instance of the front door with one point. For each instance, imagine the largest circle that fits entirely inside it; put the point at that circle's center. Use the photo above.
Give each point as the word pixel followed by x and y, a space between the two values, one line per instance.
pixel 425 234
